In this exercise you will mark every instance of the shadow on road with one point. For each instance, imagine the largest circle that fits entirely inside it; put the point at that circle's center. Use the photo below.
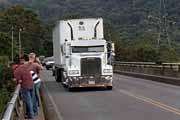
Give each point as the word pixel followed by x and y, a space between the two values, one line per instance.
pixel 59 88
pixel 88 89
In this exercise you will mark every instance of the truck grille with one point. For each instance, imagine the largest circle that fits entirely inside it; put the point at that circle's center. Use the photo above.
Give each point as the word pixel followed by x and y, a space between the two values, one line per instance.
pixel 90 66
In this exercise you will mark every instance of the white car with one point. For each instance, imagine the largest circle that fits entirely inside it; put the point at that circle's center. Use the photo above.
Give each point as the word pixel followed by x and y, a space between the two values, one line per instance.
pixel 49 62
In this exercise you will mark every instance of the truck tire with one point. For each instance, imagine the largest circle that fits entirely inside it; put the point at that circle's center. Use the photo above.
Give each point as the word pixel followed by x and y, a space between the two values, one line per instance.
pixel 58 75
pixel 109 87
pixel 61 75
pixel 47 67
pixel 70 89
pixel 53 72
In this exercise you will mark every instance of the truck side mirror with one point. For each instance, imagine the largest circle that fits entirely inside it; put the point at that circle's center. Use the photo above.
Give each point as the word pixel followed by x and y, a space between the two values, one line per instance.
pixel 113 49
pixel 62 50
pixel 111 52
pixel 67 50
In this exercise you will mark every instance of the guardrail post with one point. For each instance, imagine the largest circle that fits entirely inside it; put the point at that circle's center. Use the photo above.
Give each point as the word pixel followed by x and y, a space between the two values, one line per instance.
pixel 171 66
pixel 178 67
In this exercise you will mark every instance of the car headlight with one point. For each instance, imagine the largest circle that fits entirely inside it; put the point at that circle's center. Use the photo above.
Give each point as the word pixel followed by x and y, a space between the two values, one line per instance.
pixel 107 70
pixel 73 71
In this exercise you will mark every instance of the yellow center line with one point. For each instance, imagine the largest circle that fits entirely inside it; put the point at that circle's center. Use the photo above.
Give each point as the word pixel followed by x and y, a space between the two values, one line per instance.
pixel 151 101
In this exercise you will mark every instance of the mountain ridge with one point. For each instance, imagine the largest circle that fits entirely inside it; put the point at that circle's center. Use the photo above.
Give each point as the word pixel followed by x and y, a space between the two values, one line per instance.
pixel 131 19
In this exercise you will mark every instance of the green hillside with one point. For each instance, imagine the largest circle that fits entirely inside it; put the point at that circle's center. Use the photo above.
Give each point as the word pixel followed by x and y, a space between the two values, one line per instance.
pixel 128 17
pixel 130 20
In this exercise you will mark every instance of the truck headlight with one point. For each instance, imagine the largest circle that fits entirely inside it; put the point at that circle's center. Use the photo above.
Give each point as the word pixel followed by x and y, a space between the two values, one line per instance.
pixel 107 70
pixel 108 77
pixel 47 63
pixel 73 71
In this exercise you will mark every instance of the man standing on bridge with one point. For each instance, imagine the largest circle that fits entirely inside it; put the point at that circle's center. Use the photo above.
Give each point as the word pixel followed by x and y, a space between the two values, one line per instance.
pixel 23 77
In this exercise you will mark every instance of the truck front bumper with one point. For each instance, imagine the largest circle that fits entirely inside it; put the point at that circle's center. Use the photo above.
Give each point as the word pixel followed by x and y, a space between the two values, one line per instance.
pixel 90 81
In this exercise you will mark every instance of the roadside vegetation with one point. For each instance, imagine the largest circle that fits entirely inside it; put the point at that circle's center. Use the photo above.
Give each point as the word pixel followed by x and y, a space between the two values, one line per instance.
pixel 6 83
pixel 34 37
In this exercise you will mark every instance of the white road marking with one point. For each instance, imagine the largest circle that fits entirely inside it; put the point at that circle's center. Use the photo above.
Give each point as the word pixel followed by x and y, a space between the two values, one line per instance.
pixel 150 101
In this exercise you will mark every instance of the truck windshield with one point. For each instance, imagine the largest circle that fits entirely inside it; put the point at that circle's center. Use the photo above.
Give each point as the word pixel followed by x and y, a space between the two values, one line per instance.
pixel 81 49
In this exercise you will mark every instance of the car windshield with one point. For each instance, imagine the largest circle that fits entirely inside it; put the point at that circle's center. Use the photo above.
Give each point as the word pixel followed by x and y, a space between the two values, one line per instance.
pixel 81 49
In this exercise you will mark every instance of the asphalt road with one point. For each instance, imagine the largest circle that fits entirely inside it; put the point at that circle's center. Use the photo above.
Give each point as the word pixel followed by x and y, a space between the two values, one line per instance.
pixel 130 99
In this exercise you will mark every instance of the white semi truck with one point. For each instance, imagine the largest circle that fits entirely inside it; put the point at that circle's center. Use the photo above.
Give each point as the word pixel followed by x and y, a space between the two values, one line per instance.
pixel 81 55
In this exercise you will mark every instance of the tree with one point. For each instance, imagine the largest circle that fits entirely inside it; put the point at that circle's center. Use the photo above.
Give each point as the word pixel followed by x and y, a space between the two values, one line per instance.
pixel 5 45
pixel 71 16
pixel 168 55
pixel 33 29
pixel 146 53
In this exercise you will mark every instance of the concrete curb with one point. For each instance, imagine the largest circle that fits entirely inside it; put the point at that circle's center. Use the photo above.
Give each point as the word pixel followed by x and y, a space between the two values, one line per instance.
pixel 49 111
pixel 42 116
pixel 164 79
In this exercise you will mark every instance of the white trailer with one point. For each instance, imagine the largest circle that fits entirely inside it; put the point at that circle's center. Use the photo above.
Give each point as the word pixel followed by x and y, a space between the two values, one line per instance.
pixel 80 54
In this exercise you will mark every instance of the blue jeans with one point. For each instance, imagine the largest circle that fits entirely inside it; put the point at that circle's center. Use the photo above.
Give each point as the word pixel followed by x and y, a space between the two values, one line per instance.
pixel 35 99
pixel 37 87
pixel 27 95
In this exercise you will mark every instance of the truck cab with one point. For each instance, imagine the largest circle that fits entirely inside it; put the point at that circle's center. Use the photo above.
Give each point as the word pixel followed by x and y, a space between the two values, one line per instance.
pixel 81 54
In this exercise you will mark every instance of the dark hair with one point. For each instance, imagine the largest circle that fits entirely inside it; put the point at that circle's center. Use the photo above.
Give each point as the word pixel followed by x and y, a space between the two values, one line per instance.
pixel 16 59
pixel 25 57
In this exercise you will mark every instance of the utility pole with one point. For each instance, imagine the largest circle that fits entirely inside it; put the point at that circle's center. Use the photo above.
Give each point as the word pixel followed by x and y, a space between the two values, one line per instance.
pixel 20 42
pixel 12 43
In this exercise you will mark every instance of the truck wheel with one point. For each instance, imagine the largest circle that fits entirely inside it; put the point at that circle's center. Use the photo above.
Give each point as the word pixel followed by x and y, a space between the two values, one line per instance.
pixel 58 75
pixel 53 72
pixel 47 68
pixel 61 76
pixel 109 87
pixel 58 79
pixel 70 89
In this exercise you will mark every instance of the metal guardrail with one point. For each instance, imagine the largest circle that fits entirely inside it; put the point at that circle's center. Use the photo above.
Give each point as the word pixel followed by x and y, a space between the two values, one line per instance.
pixel 145 63
pixel 151 68
pixel 13 108
pixel 135 63
pixel 149 64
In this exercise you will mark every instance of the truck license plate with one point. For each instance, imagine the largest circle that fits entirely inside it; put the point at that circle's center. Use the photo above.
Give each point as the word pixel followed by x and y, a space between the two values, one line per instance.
pixel 91 82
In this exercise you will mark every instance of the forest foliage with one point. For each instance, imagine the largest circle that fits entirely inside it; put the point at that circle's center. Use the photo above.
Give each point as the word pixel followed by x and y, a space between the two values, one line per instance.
pixel 6 84
pixel 134 25
pixel 33 32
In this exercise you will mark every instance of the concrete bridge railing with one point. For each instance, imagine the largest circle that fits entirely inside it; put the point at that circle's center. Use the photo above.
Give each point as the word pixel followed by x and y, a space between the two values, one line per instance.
pixel 13 110
pixel 165 72
pixel 164 69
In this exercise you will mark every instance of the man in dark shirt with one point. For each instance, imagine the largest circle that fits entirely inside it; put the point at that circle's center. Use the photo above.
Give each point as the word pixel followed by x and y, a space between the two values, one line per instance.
pixel 23 76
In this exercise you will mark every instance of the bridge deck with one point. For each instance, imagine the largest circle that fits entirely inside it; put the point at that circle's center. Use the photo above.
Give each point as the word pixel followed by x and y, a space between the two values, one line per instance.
pixel 130 99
